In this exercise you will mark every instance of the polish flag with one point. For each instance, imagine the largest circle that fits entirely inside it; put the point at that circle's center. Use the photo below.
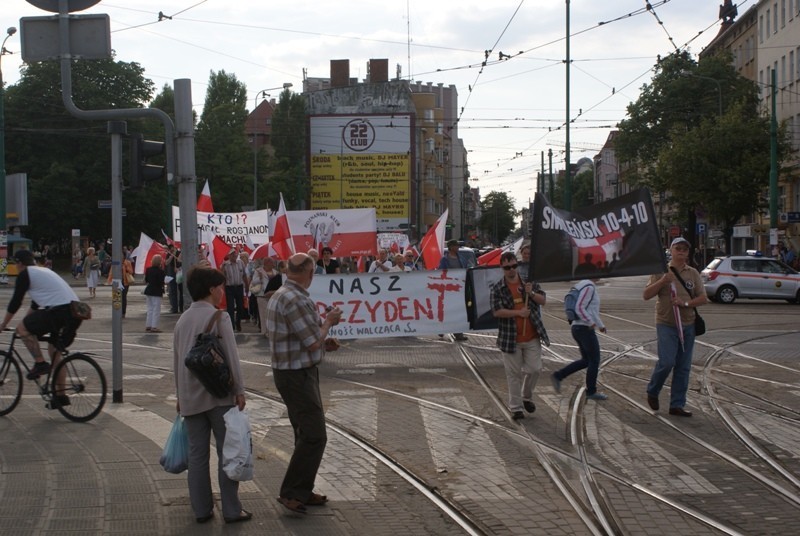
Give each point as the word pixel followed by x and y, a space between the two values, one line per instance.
pixel 204 201
pixel 492 258
pixel 282 235
pixel 145 251
pixel 432 244
pixel 361 265
pixel 218 249
pixel 170 242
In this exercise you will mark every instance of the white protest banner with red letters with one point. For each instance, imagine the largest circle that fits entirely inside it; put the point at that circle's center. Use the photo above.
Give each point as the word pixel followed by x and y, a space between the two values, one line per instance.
pixel 394 304
pixel 232 227
pixel 348 232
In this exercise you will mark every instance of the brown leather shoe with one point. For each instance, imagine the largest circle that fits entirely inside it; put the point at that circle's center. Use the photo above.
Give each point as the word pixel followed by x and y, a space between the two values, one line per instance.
pixel 316 500
pixel 652 401
pixel 680 412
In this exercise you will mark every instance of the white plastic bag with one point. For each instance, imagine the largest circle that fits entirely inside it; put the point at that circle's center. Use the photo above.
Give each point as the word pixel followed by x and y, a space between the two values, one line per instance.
pixel 237 451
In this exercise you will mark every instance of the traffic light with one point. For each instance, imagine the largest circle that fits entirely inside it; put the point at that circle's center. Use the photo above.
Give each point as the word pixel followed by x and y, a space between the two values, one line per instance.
pixel 141 171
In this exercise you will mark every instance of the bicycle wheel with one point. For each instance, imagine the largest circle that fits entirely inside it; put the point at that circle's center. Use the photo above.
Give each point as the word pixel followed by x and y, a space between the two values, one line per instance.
pixel 10 383
pixel 84 387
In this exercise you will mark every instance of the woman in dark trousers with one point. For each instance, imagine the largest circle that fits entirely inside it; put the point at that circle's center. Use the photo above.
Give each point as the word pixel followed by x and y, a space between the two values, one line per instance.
pixel 154 293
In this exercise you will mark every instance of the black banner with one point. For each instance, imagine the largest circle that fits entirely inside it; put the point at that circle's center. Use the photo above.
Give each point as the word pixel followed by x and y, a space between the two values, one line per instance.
pixel 615 238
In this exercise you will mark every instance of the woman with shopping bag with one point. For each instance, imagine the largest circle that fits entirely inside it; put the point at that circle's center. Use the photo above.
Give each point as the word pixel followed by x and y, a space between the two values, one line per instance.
pixel 202 411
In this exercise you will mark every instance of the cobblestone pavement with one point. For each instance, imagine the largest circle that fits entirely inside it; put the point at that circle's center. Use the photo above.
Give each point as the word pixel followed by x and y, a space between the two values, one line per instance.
pixel 418 403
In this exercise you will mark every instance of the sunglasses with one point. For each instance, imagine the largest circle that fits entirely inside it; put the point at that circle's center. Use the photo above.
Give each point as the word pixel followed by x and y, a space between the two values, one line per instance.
pixel 510 267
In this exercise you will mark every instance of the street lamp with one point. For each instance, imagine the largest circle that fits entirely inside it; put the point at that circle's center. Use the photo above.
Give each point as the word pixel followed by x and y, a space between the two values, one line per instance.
pixel 3 240
pixel 263 94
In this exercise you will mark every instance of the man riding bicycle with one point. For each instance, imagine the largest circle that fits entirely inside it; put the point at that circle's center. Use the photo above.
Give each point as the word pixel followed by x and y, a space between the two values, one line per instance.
pixel 49 314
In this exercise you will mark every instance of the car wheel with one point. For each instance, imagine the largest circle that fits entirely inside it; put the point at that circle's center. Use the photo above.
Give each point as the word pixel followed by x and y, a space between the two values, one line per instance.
pixel 726 294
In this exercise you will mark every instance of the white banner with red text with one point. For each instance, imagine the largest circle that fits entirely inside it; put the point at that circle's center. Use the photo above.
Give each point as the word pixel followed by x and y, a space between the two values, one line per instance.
pixel 232 227
pixel 397 304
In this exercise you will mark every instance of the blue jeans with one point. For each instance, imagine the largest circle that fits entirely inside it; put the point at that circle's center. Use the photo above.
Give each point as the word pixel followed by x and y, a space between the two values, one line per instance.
pixel 672 358
pixel 589 346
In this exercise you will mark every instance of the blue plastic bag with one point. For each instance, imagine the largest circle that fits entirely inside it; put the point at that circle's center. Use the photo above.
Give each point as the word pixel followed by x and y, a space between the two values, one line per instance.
pixel 175 458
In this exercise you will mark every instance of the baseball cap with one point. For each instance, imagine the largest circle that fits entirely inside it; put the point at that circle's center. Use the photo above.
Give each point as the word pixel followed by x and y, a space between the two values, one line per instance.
pixel 24 256
pixel 680 240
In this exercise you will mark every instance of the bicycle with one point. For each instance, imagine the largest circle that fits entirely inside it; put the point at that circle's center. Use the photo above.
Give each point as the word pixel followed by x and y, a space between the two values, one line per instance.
pixel 83 380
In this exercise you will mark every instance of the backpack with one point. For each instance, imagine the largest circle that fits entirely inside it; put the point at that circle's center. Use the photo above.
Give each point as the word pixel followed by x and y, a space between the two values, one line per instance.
pixel 207 362
pixel 570 301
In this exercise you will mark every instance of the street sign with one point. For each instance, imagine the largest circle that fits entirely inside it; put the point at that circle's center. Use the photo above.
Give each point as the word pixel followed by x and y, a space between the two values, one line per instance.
pixel 72 5
pixel 793 217
pixel 89 37
pixel 103 203
pixel 701 228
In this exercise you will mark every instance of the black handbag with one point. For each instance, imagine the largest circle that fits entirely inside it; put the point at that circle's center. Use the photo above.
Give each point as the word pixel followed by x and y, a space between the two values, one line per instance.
pixel 207 362
pixel 699 323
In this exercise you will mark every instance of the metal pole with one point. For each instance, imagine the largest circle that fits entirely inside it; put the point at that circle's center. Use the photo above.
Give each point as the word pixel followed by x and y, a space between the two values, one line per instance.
pixel 552 184
pixel 568 174
pixel 186 178
pixel 773 162
pixel 540 186
pixel 3 234
pixel 117 129
pixel 255 155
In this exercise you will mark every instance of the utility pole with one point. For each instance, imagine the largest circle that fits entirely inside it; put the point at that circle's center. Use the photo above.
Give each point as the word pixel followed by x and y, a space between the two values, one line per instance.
pixel 773 165
pixel 552 183
pixel 567 174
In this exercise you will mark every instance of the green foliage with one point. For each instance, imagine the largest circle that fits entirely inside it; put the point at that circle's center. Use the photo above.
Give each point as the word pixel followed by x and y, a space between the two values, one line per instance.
pixel 68 159
pixel 497 216
pixel 582 190
pixel 696 133
pixel 222 151
pixel 286 169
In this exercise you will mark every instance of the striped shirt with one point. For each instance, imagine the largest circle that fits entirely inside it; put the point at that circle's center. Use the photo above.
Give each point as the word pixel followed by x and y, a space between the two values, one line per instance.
pixel 293 325
pixel 234 272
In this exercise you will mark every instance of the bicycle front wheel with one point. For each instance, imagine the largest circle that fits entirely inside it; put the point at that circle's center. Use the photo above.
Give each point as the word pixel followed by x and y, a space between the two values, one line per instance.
pixel 10 383
pixel 79 388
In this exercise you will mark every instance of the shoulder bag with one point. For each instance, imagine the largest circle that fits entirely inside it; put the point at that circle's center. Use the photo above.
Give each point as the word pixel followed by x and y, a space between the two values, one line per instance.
pixel 207 362
pixel 699 323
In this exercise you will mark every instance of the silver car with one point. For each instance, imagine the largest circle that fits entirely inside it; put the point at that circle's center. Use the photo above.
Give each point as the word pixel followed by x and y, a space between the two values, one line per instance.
pixel 745 276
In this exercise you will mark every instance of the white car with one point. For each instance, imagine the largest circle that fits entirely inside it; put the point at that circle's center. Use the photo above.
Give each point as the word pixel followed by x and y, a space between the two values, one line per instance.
pixel 745 276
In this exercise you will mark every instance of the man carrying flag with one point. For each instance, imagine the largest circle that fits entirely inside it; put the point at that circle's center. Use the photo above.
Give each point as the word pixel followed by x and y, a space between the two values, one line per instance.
pixel 679 291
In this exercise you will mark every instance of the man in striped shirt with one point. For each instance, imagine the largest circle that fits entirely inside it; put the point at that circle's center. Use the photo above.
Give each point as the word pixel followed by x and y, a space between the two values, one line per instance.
pixel 297 336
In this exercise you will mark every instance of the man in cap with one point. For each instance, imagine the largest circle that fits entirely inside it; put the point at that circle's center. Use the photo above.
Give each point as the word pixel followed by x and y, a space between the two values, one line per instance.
pixel 50 314
pixel 679 291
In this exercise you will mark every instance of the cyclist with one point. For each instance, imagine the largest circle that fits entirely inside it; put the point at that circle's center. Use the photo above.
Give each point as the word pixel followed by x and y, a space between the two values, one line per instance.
pixel 49 313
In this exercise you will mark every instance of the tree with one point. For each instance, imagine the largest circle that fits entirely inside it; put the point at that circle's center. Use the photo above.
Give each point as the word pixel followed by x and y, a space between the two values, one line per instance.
pixel 692 101
pixel 497 216
pixel 721 165
pixel 222 152
pixel 68 159
pixel 582 190
pixel 286 169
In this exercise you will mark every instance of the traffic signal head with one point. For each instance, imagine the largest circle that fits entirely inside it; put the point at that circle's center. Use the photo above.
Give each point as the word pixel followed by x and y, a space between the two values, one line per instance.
pixel 141 171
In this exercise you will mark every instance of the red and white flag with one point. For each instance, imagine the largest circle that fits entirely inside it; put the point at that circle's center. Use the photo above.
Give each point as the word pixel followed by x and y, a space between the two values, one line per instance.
pixel 204 201
pixel 361 264
pixel 282 236
pixel 432 244
pixel 492 258
pixel 145 251
pixel 218 249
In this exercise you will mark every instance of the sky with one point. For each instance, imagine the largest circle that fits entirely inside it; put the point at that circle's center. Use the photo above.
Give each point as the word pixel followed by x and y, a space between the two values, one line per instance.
pixel 512 109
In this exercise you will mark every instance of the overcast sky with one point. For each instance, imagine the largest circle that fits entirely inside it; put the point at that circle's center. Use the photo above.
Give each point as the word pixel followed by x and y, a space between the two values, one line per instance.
pixel 510 108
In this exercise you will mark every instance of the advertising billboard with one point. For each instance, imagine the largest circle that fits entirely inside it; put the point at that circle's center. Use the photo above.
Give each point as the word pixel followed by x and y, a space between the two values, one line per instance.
pixel 362 161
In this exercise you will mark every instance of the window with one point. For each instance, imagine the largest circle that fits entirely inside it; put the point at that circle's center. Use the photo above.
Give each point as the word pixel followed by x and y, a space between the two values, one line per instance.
pixel 768 25
pixel 775 17
pixel 783 13
pixel 783 71
pixel 761 29
pixel 791 66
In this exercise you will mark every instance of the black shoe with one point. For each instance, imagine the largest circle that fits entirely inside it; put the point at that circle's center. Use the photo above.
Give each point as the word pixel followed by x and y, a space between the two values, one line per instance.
pixel 40 368
pixel 58 401
pixel 680 412
pixel 530 407
pixel 461 337
pixel 205 518
pixel 652 401
pixel 517 415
